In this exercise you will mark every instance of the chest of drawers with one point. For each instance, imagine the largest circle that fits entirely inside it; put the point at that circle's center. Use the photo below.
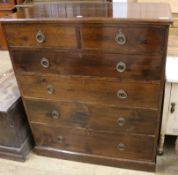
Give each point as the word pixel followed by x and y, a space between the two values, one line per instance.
pixel 91 76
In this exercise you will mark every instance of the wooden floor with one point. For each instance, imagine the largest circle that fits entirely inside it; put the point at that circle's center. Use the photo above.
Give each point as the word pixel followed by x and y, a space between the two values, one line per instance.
pixel 38 165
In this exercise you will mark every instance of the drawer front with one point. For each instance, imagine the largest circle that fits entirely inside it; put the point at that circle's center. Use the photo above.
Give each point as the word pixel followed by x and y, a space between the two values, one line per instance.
pixel 84 141
pixel 41 35
pixel 133 67
pixel 91 90
pixel 124 39
pixel 95 117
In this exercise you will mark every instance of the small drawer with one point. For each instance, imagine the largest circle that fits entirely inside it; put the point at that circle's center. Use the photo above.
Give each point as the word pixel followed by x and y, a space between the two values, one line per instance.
pixel 91 90
pixel 95 117
pixel 89 142
pixel 41 35
pixel 124 39
pixel 50 61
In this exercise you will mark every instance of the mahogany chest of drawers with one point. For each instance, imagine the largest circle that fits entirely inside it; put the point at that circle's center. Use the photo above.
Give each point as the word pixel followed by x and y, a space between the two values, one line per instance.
pixel 92 76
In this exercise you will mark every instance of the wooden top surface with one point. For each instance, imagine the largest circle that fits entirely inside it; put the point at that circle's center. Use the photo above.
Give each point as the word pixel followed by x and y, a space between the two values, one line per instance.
pixel 93 12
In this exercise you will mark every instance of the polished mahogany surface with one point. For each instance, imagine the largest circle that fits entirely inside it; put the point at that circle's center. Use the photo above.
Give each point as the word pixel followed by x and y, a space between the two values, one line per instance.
pixel 94 11
pixel 92 78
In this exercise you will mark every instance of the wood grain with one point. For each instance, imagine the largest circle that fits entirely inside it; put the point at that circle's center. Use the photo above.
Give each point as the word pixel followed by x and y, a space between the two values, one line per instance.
pixel 90 90
pixel 61 36
pixel 145 39
pixel 79 115
pixel 84 141
pixel 138 67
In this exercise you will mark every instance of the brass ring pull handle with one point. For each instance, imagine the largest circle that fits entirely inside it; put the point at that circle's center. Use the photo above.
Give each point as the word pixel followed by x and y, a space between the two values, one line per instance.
pixel 120 38
pixel 40 37
pixel 121 67
pixel 50 89
pixel 122 94
pixel 55 114
pixel 121 121
pixel 45 62
pixel 121 147
pixel 60 139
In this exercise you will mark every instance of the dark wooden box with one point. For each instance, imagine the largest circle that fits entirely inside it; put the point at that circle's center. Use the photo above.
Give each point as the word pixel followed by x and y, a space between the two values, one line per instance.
pixel 15 135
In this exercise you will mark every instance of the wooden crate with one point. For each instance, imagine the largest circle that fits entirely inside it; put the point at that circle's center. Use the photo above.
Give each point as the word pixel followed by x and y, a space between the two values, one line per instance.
pixel 15 135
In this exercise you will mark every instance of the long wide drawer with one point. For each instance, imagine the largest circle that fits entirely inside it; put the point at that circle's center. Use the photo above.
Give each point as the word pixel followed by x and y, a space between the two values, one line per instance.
pixel 125 39
pixel 89 142
pixel 95 117
pixel 50 61
pixel 41 35
pixel 91 90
